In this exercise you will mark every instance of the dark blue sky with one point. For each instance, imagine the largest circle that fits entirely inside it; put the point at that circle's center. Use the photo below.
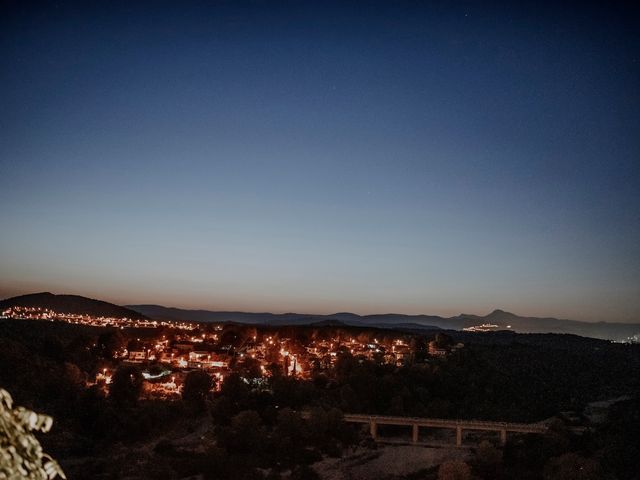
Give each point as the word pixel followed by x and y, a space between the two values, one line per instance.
pixel 318 157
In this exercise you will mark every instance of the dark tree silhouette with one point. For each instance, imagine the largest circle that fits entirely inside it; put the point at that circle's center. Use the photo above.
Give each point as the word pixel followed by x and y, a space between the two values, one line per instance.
pixel 245 434
pixel 197 385
pixel 443 340
pixel 109 343
pixel 249 368
pixel 126 385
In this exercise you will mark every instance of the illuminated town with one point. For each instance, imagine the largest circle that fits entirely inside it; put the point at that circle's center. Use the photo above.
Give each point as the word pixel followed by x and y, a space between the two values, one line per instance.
pixel 37 313
pixel 167 351
pixel 485 327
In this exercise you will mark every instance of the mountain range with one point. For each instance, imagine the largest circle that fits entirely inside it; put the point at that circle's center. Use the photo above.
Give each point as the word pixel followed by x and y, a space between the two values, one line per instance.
pixel 503 320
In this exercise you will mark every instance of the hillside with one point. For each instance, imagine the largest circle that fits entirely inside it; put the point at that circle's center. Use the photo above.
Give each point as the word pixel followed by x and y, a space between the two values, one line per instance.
pixel 71 304
pixel 504 321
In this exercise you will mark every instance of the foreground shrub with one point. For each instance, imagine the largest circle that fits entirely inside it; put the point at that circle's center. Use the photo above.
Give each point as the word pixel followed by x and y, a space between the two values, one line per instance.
pixel 21 455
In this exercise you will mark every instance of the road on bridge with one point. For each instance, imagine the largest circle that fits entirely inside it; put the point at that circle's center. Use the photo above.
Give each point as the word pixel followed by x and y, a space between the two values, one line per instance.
pixel 458 425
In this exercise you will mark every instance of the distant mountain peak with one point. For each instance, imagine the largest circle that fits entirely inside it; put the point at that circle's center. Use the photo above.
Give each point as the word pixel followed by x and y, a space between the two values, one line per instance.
pixel 500 313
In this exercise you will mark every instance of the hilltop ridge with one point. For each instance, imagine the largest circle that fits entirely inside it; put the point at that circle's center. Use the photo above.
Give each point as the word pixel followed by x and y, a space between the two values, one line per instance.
pixel 502 319
pixel 75 304
pixel 498 319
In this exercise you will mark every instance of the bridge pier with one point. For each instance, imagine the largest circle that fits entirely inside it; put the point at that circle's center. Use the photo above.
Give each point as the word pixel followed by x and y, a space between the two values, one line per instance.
pixel 414 437
pixel 458 436
pixel 503 437
pixel 373 428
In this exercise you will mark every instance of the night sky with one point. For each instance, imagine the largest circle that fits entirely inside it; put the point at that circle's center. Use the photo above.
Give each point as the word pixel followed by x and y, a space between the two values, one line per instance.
pixel 318 157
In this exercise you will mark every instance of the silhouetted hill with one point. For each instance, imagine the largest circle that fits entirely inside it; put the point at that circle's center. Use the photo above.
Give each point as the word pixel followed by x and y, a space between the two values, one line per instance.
pixel 329 323
pixel 71 304
pixel 159 312
pixel 504 321
pixel 511 321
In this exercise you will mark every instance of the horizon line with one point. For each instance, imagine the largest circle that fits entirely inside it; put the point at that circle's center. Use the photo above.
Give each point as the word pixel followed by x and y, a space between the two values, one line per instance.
pixel 276 312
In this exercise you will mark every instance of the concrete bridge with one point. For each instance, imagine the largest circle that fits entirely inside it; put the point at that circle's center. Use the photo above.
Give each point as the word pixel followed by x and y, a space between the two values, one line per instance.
pixel 458 425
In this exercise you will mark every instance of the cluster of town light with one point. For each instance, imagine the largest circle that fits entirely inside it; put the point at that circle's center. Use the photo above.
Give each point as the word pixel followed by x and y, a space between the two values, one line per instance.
pixel 36 313
pixel 205 351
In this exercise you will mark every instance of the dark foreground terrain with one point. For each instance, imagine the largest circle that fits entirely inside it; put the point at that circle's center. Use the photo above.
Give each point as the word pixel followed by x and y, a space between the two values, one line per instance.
pixel 247 424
